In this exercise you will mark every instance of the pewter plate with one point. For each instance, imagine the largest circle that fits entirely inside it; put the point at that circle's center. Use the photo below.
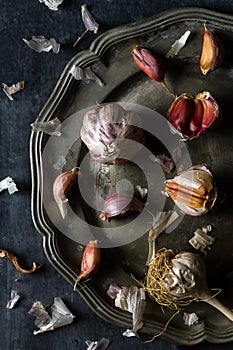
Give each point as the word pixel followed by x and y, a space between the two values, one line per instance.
pixel 110 57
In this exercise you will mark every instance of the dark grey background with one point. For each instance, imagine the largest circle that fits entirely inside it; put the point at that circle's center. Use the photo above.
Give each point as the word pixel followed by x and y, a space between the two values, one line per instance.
pixel 24 18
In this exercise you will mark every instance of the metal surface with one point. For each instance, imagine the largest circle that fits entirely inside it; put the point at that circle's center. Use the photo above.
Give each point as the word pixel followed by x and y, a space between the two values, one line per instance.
pixel 110 57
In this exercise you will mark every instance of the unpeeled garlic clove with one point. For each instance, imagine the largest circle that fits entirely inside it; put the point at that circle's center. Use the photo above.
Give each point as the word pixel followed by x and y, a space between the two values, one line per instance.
pixel 120 204
pixel 149 63
pixel 61 187
pixel 193 115
pixel 212 52
pixel 193 191
pixel 152 65
pixel 90 261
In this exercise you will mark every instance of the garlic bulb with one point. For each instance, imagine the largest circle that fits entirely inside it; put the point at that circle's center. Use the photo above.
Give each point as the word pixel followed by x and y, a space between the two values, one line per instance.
pixel 193 191
pixel 177 280
pixel 108 133
pixel 193 115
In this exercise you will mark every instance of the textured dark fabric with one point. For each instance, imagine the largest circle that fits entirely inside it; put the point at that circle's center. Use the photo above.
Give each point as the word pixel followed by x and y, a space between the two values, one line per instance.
pixel 22 19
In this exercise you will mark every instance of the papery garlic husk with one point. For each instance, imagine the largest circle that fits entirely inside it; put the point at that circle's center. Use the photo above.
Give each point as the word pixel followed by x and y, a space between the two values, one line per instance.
pixel 193 191
pixel 107 132
pixel 120 204
pixel 90 261
pixel 193 115
pixel 61 187
pixel 177 280
pixel 212 54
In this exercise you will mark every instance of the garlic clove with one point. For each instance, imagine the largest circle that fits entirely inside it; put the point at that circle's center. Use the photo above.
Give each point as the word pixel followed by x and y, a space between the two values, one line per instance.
pixel 180 113
pixel 196 118
pixel 149 63
pixel 212 52
pixel 90 261
pixel 61 187
pixel 120 204
pixel 211 112
pixel 193 115
pixel 194 191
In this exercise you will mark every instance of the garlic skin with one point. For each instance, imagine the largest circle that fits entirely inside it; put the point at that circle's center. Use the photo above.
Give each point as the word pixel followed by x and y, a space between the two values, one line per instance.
pixel 212 54
pixel 193 115
pixel 193 191
pixel 61 187
pixel 107 132
pixel 120 204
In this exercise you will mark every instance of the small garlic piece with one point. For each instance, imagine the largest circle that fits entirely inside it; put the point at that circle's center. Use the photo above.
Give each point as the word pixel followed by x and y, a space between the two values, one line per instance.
pixel 193 115
pixel 178 45
pixel 193 191
pixel 190 319
pixel 201 240
pixel 212 52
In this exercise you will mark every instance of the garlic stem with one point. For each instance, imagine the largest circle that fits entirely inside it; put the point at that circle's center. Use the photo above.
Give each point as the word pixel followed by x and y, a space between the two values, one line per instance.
pixel 220 307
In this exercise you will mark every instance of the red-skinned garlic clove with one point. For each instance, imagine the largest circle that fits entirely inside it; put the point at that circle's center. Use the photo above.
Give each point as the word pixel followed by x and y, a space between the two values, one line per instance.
pixel 61 187
pixel 90 261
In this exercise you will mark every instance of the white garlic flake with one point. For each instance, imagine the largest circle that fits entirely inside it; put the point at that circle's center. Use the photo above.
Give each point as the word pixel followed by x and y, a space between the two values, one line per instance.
pixel 202 240
pixel 52 4
pixel 102 344
pixel 61 316
pixel 52 127
pixel 190 319
pixel 85 74
pixel 8 184
pixel 142 191
pixel 42 44
pixel 178 45
pixel 14 298
pixel 10 90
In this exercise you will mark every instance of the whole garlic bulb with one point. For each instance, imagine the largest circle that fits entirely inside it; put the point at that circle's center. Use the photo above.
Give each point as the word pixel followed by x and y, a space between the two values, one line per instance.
pixel 108 131
pixel 175 280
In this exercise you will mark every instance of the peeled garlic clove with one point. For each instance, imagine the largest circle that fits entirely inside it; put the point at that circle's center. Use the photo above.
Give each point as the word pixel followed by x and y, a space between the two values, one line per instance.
pixel 108 133
pixel 61 188
pixel 120 204
pixel 194 191
pixel 212 52
pixel 90 261
pixel 193 115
